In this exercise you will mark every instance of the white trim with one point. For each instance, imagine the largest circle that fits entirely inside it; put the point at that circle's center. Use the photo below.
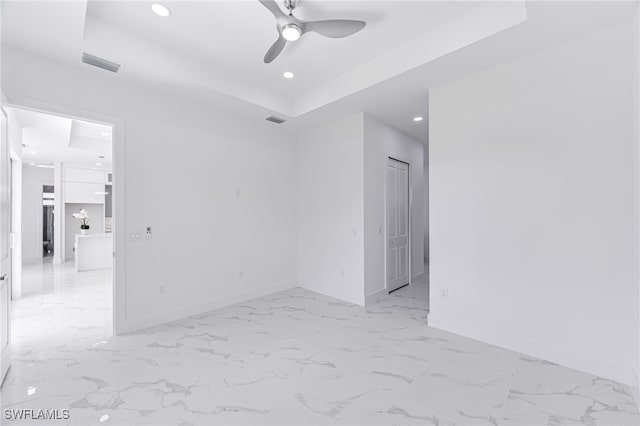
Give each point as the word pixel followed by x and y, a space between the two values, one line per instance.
pixel 350 297
pixel 636 35
pixel 418 277
pixel 183 312
pixel 634 387
pixel 59 243
pixel 402 159
pixel 119 223
pixel 561 355
pixel 16 165
pixel 372 298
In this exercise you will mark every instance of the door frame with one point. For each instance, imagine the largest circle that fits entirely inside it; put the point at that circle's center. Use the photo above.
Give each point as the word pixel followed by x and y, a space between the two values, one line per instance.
pixel 5 351
pixel 16 223
pixel 402 159
pixel 118 179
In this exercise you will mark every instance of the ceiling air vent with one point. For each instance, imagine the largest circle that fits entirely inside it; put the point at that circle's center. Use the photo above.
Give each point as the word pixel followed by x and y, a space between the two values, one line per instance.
pixel 275 119
pixel 100 63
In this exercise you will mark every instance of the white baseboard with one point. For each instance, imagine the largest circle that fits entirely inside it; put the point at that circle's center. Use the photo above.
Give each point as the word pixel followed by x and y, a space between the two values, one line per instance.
pixel 141 323
pixel 418 277
pixel 336 294
pixel 490 333
pixel 635 387
pixel 372 298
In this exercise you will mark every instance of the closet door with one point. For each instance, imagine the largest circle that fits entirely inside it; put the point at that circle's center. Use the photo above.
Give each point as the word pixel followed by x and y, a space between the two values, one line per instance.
pixel 397 200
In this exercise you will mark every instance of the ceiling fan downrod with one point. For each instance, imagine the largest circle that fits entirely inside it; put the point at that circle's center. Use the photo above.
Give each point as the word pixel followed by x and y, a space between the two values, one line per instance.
pixel 290 5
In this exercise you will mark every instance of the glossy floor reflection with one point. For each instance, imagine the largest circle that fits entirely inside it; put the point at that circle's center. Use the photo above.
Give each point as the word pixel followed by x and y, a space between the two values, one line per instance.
pixel 294 357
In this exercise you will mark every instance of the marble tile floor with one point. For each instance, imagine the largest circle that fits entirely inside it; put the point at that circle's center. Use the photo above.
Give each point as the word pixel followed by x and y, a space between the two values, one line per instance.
pixel 292 358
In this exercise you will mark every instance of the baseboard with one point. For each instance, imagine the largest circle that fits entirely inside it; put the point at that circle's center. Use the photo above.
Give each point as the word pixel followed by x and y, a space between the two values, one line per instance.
pixel 539 349
pixel 336 294
pixel 141 323
pixel 635 388
pixel 372 298
pixel 418 277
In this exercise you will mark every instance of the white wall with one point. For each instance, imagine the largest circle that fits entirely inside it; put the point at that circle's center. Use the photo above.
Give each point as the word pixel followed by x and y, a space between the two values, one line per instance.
pixel 425 160
pixel 531 185
pixel 217 190
pixel 59 231
pixel 14 131
pixel 72 225
pixel 33 179
pixel 426 191
pixel 330 214
pixel 382 141
pixel 340 195
pixel 636 126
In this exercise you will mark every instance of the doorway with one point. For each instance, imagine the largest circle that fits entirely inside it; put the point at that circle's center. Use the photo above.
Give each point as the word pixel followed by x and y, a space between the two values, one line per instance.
pixel 48 200
pixel 397 224
pixel 66 169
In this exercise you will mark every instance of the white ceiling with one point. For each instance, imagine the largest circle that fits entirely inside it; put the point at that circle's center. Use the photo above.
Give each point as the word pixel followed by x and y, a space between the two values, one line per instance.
pixel 48 139
pixel 230 38
pixel 212 51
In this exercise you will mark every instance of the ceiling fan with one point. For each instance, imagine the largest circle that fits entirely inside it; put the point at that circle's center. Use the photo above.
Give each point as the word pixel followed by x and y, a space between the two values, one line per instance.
pixel 291 28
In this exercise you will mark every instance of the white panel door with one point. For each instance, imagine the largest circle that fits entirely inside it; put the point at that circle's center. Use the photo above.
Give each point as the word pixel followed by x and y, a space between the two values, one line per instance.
pixel 397 200
pixel 5 254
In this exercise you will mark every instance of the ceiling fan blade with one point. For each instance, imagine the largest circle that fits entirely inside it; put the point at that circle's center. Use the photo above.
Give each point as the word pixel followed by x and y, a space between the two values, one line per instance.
pixel 273 7
pixel 275 50
pixel 335 28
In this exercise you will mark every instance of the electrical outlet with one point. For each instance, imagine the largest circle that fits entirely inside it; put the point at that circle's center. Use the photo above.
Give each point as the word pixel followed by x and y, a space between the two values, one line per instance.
pixel 163 290
pixel 149 236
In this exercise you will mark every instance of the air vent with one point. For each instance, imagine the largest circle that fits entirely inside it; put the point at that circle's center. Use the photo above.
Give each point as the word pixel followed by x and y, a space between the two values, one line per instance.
pixel 275 119
pixel 100 63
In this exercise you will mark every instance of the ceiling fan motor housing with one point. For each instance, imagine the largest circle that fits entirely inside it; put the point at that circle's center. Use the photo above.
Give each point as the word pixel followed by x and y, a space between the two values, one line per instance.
pixel 291 28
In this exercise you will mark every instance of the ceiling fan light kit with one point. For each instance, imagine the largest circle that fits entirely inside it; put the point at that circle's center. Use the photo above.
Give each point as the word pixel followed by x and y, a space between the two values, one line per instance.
pixel 291 28
pixel 291 32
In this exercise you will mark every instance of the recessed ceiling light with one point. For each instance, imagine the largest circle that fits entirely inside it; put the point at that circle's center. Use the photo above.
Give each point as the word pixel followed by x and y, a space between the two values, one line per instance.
pixel 31 390
pixel 105 133
pixel 288 75
pixel 98 164
pixel 45 166
pixel 32 164
pixel 291 32
pixel 418 119
pixel 160 9
pixel 104 418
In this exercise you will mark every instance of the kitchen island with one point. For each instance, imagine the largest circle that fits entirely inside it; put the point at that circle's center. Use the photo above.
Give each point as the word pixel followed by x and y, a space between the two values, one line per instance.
pixel 94 251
